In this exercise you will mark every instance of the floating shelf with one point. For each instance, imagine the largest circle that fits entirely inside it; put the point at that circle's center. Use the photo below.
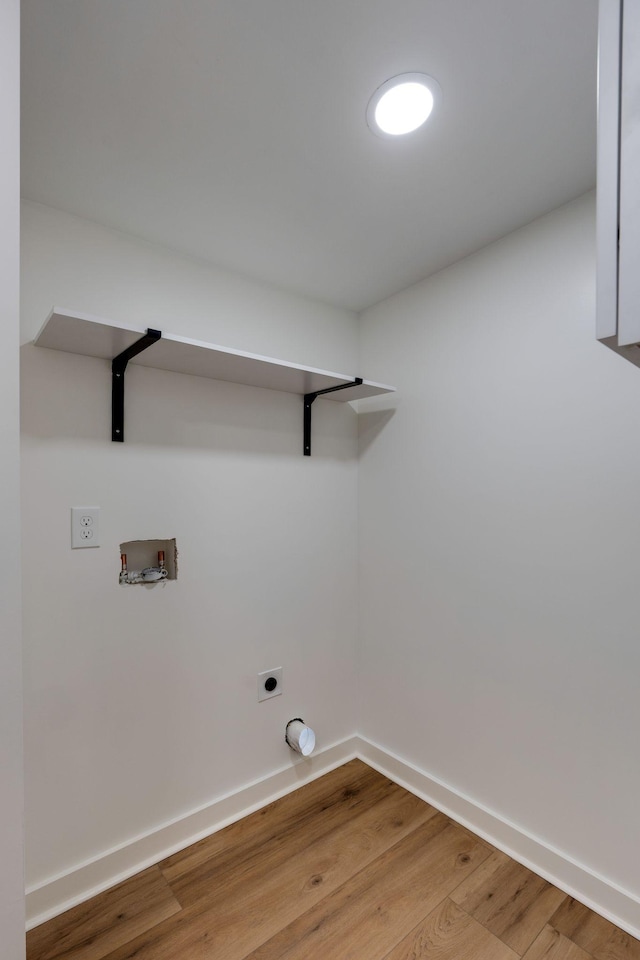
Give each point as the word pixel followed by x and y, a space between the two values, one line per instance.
pixel 95 337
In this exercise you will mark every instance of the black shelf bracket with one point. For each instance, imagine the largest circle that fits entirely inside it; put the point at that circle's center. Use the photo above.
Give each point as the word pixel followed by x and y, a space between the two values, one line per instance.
pixel 308 400
pixel 118 367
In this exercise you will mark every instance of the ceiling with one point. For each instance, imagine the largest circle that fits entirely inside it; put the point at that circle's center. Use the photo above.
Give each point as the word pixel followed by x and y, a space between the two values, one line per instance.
pixel 234 130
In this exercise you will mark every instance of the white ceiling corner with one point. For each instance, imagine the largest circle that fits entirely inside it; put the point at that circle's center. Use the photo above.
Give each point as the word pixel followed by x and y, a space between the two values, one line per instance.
pixel 235 130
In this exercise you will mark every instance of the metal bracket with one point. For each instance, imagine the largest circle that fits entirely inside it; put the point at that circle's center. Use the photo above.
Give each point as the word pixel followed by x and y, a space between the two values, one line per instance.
pixel 118 367
pixel 308 400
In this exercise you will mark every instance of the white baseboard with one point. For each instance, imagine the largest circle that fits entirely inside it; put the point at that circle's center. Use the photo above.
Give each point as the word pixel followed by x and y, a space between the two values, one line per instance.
pixel 59 893
pixel 595 891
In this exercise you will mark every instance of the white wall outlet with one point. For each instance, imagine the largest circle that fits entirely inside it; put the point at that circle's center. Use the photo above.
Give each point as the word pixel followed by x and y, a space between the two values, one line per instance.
pixel 269 684
pixel 85 527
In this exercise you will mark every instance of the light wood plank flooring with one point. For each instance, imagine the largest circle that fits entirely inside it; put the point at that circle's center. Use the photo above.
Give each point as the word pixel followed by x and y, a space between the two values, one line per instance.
pixel 349 867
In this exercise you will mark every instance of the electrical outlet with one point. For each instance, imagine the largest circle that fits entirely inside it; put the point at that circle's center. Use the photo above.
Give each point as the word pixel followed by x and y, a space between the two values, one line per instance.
pixel 85 527
pixel 269 684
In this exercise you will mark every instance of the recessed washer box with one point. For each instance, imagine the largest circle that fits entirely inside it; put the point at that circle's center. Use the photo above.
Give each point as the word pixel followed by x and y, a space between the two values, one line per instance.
pixel 144 553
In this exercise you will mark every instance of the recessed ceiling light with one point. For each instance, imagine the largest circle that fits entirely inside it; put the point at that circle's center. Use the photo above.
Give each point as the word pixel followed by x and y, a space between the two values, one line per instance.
pixel 402 104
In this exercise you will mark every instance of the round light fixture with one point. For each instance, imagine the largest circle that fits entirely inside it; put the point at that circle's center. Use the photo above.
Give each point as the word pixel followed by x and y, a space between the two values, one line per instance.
pixel 402 104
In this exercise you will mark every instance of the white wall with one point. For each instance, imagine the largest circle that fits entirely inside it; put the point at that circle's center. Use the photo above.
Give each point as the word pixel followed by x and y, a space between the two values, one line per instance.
pixel 500 542
pixel 11 832
pixel 498 533
pixel 141 703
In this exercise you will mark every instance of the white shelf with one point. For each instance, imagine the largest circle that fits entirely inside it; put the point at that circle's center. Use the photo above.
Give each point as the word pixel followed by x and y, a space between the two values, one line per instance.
pixel 94 337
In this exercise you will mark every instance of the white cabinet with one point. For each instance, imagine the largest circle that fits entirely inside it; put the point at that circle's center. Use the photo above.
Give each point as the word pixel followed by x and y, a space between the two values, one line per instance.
pixel 618 199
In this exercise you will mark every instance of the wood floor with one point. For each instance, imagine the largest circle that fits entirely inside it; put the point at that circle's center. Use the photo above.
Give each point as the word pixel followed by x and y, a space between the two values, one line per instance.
pixel 349 867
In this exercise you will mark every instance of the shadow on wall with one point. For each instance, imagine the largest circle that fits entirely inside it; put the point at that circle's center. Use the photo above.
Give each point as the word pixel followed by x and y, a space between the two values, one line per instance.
pixel 66 396
pixel 370 425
